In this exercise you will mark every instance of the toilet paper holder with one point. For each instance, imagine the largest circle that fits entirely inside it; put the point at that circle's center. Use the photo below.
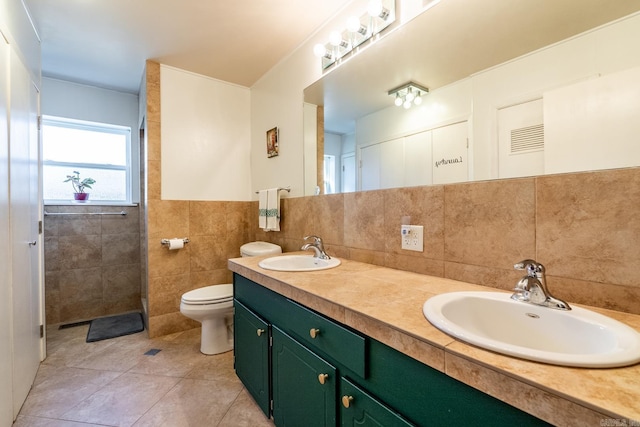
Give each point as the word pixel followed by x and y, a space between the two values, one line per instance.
pixel 165 242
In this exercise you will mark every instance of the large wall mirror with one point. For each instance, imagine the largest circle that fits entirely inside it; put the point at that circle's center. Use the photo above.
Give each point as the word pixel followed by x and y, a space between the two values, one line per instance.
pixel 516 88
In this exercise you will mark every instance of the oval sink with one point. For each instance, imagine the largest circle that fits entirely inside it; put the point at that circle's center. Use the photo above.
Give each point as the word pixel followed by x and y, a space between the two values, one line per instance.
pixel 492 320
pixel 298 263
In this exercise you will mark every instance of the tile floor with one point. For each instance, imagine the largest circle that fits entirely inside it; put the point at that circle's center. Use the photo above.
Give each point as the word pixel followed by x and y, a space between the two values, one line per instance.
pixel 113 383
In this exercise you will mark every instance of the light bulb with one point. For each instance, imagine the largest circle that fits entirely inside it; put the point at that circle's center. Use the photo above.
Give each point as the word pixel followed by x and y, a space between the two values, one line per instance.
pixel 410 95
pixel 407 104
pixel 398 101
pixel 418 99
pixel 353 24
pixel 375 8
pixel 335 38
pixel 319 50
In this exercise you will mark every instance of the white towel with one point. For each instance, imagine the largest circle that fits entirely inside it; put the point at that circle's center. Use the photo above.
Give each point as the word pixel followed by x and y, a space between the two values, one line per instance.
pixel 262 209
pixel 269 209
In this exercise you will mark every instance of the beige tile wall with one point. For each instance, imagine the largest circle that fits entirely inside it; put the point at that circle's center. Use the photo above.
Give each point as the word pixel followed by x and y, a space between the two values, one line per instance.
pixel 91 262
pixel 584 227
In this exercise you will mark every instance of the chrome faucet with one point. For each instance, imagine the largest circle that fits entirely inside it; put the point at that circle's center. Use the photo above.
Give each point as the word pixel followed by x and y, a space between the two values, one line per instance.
pixel 317 247
pixel 532 288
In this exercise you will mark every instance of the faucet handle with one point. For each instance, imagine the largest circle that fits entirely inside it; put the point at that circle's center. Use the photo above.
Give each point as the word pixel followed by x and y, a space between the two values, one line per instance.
pixel 316 239
pixel 532 267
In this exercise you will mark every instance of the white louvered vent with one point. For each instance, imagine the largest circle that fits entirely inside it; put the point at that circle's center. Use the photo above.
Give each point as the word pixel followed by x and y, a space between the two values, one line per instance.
pixel 530 138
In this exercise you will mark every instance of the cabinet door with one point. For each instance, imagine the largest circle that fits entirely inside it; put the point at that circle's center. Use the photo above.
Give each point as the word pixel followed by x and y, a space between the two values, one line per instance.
pixel 251 354
pixel 304 385
pixel 362 410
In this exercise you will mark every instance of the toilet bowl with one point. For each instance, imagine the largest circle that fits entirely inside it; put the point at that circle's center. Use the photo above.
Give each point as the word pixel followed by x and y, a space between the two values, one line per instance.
pixel 212 306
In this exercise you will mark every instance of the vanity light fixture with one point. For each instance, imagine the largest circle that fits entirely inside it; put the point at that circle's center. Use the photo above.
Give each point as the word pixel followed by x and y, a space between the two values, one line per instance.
pixel 377 9
pixel 408 94
pixel 379 15
pixel 321 51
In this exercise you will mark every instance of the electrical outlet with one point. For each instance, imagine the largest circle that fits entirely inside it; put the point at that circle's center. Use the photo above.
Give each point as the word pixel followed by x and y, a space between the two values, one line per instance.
pixel 412 237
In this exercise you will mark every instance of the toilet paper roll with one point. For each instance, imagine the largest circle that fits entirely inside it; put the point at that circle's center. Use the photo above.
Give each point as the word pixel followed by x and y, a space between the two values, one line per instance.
pixel 176 244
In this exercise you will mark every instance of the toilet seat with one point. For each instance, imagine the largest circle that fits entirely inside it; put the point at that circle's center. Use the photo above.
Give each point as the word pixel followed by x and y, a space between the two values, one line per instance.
pixel 215 294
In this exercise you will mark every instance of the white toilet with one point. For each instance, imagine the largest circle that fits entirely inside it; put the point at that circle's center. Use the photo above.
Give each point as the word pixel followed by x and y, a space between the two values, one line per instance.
pixel 213 305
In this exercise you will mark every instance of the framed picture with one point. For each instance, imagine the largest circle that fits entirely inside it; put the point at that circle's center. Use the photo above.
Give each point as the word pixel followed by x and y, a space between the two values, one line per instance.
pixel 272 142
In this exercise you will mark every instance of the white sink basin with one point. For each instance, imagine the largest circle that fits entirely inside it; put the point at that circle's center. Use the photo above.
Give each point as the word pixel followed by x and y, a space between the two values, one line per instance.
pixel 494 321
pixel 298 263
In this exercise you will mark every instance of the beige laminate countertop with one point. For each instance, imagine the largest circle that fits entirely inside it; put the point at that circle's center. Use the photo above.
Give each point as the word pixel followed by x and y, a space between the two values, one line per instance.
pixel 386 304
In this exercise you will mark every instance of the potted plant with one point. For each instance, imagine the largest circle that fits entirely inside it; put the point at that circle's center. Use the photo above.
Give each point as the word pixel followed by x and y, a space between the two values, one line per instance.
pixel 79 186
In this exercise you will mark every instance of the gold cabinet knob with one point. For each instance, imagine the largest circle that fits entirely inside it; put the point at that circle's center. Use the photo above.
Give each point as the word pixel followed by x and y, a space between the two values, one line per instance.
pixel 346 401
pixel 322 378
pixel 260 332
pixel 314 332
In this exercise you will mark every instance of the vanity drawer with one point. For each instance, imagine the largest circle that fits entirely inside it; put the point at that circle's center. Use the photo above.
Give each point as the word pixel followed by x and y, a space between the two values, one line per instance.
pixel 327 337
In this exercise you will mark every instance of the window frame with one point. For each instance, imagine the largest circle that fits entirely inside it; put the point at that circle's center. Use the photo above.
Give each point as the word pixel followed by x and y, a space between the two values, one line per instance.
pixel 97 127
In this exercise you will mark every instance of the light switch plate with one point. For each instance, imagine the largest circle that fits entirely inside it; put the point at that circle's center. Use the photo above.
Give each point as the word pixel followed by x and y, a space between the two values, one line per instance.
pixel 412 237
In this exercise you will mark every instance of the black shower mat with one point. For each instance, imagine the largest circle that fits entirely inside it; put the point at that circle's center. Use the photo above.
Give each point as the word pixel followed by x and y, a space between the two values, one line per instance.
pixel 105 328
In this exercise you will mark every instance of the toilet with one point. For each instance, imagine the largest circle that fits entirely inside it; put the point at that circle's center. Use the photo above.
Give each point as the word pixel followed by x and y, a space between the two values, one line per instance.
pixel 212 306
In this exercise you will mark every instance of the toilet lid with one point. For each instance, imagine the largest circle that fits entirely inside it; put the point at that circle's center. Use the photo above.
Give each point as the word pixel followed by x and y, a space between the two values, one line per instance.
pixel 209 294
pixel 259 249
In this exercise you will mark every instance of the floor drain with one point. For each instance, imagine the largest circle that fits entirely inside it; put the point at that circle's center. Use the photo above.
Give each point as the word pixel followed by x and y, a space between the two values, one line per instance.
pixel 152 352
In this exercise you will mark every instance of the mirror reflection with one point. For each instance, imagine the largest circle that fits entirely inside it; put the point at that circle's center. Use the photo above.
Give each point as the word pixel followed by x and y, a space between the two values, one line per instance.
pixel 515 89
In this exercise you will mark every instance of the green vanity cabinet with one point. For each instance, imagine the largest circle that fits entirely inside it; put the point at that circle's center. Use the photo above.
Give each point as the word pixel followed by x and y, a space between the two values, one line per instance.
pixel 304 385
pixel 251 357
pixel 359 409
pixel 305 369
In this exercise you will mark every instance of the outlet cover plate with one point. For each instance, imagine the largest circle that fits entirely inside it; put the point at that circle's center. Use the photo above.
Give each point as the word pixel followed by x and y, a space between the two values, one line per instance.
pixel 412 237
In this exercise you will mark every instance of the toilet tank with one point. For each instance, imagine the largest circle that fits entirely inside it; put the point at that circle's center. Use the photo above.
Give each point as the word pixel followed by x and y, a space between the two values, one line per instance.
pixel 259 249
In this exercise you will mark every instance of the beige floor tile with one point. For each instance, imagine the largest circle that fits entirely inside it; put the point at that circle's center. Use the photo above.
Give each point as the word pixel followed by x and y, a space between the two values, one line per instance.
pixel 171 361
pixel 219 366
pixel 123 401
pixel 59 388
pixel 27 421
pixel 119 357
pixel 245 413
pixel 192 403
pixel 84 384
pixel 185 339
pixel 68 346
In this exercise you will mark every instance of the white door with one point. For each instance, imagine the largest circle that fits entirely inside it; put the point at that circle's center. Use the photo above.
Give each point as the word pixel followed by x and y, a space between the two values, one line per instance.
pixel 450 153
pixel 392 163
pixel 370 167
pixel 6 362
pixel 521 140
pixel 418 159
pixel 24 232
pixel 348 178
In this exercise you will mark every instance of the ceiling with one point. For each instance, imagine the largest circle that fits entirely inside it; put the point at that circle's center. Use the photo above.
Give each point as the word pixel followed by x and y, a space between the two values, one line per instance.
pixel 105 43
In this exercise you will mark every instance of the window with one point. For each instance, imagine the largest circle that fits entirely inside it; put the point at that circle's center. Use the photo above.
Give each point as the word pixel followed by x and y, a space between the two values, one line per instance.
pixel 96 150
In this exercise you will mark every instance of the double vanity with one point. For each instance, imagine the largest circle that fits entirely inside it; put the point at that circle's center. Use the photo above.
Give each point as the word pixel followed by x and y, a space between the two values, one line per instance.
pixel 333 346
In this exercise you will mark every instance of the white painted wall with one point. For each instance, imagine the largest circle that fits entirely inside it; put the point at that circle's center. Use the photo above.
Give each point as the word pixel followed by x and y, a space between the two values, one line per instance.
pixel 205 137
pixel 449 104
pixel 82 102
pixel 310 148
pixel 277 100
pixel 481 96
pixel 529 77
pixel 593 124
